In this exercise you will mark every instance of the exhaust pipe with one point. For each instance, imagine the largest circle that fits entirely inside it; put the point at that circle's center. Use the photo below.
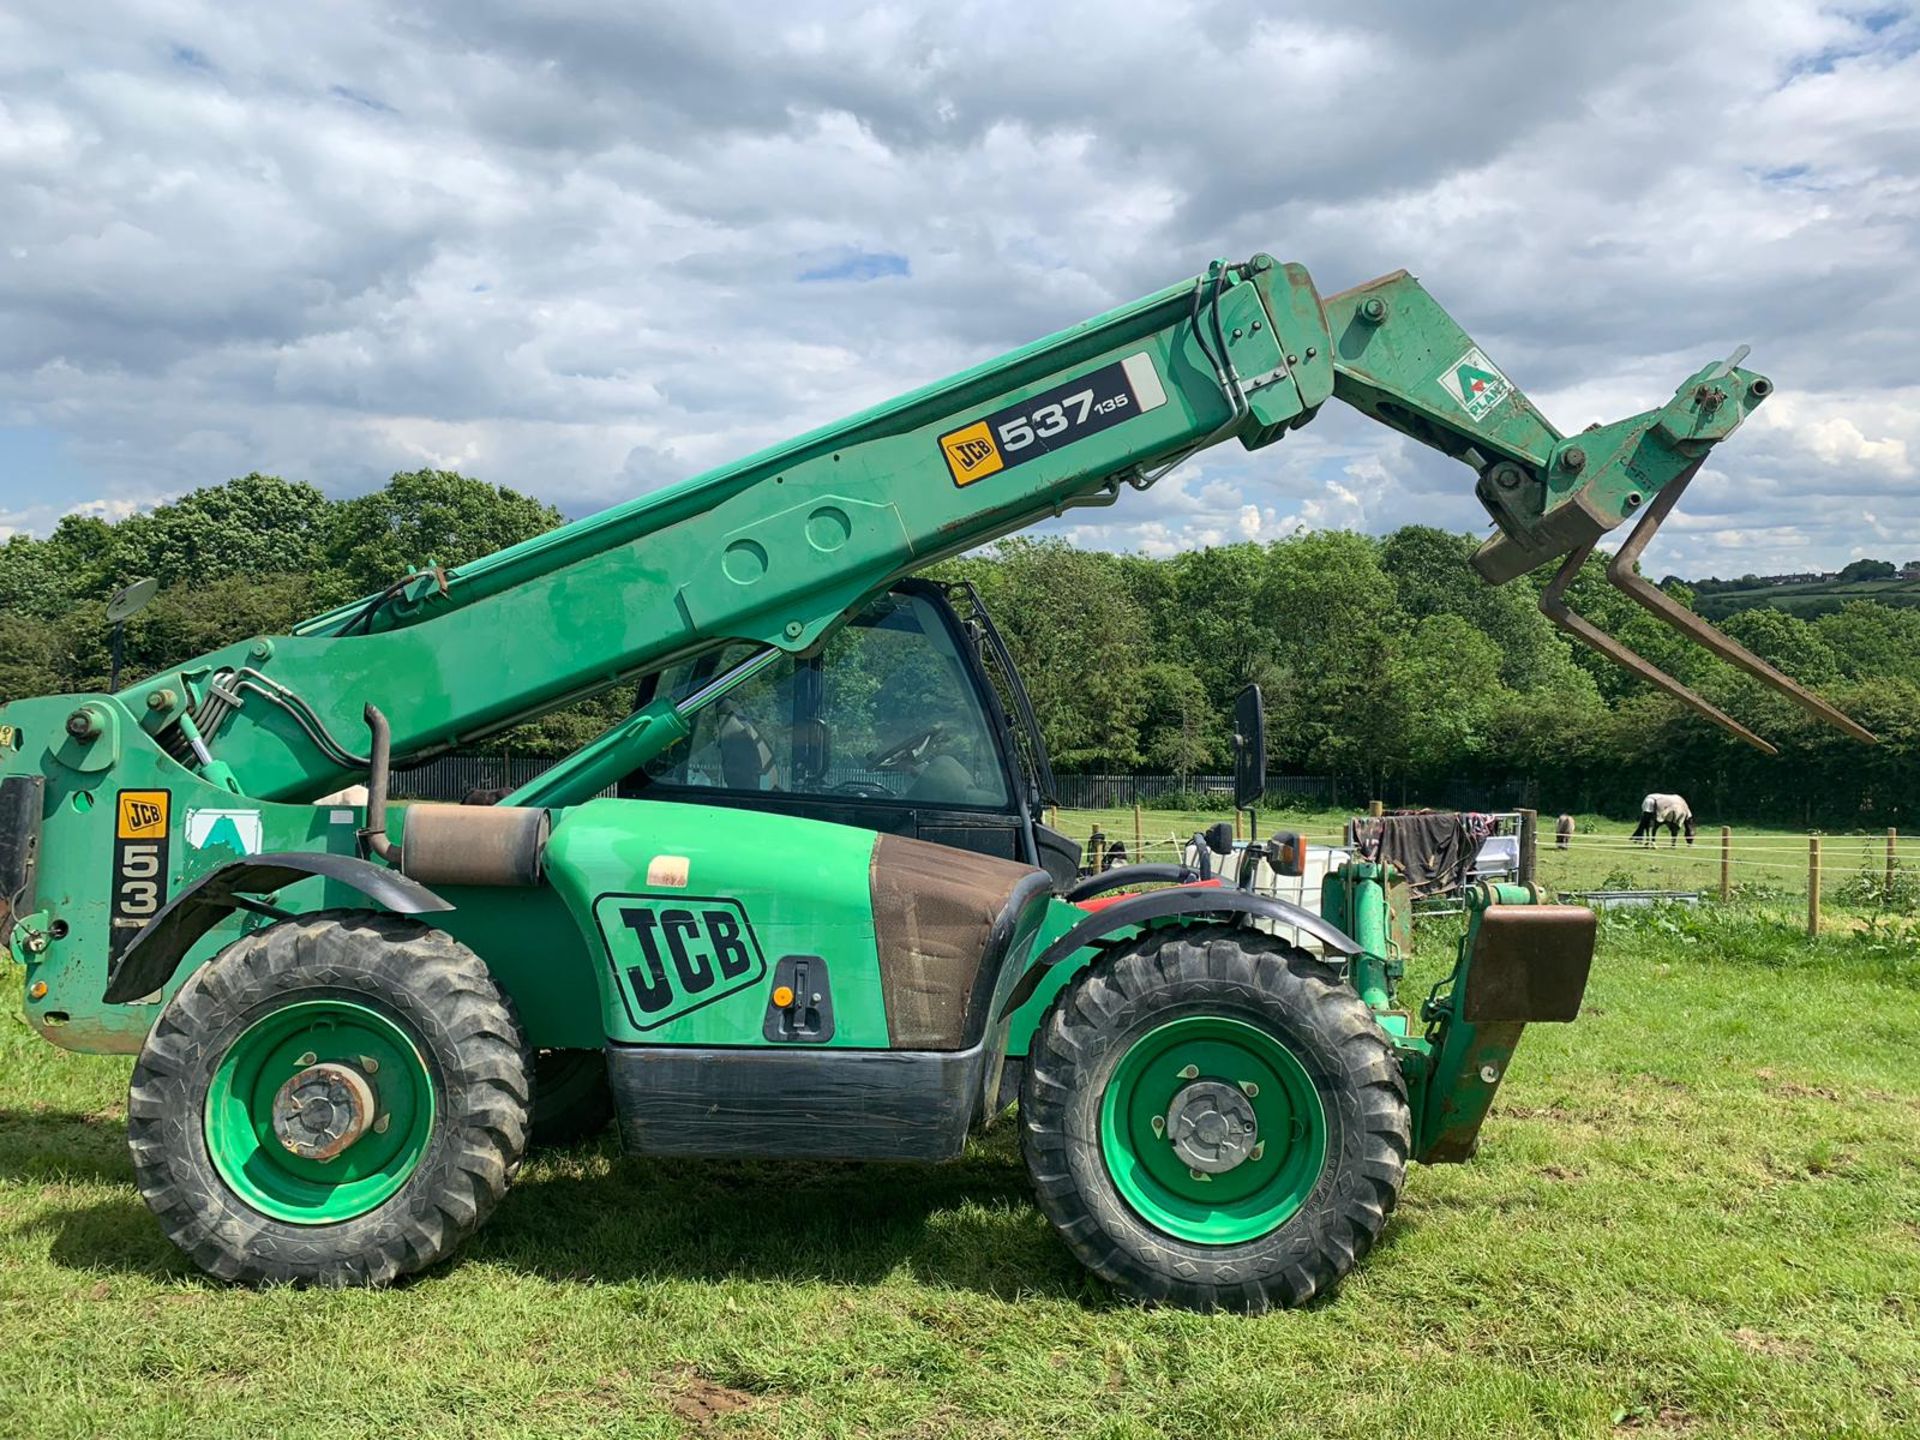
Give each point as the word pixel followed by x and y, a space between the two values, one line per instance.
pixel 373 835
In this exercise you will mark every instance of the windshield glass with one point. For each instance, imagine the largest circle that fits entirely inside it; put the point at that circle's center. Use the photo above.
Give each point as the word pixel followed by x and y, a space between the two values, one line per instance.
pixel 885 713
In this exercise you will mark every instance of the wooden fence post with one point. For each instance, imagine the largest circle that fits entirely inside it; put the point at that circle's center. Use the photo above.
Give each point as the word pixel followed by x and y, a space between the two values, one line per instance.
pixel 1529 845
pixel 1726 863
pixel 1376 807
pixel 1813 887
pixel 1892 838
pixel 1138 848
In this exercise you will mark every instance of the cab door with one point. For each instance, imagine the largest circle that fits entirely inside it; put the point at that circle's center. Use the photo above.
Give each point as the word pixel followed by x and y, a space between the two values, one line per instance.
pixel 887 729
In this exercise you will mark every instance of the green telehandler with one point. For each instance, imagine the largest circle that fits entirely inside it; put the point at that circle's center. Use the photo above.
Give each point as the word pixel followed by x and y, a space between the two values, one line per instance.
pixel 801 901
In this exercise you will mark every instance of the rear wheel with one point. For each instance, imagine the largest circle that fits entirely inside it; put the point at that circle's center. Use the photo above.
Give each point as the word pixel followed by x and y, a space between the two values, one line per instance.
pixel 338 1099
pixel 1213 1119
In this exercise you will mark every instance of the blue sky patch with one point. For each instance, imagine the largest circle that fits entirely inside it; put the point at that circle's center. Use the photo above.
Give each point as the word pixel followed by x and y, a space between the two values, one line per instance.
pixel 858 265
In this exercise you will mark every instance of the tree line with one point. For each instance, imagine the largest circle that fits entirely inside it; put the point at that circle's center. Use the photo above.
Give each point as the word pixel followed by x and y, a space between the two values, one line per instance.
pixel 1384 660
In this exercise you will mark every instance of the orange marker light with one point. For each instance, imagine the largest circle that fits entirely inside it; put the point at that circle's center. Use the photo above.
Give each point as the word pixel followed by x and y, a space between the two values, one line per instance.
pixel 37 990
pixel 782 996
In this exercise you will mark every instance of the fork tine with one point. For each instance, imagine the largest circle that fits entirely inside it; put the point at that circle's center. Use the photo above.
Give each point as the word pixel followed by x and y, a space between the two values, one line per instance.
pixel 1554 606
pixel 1623 577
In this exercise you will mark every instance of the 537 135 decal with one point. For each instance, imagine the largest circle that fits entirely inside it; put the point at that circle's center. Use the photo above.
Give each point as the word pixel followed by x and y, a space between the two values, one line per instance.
pixel 675 953
pixel 1083 406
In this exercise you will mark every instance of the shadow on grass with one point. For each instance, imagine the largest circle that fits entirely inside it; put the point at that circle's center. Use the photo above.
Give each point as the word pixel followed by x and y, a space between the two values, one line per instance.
pixel 593 1216
pixel 47 1146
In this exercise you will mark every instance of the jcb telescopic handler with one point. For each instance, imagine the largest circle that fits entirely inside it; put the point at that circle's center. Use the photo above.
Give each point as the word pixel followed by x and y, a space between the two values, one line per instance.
pixel 821 917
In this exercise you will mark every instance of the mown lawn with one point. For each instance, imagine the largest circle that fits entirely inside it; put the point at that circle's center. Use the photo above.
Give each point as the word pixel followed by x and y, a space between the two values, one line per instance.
pixel 1696 1212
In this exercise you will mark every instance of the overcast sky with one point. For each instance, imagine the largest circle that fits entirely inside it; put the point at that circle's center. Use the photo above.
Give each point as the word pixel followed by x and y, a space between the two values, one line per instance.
pixel 585 250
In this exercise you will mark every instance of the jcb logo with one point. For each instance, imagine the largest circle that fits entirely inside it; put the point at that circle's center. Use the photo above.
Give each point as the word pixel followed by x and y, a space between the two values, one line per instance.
pixel 675 954
pixel 971 453
pixel 143 814
pixel 140 845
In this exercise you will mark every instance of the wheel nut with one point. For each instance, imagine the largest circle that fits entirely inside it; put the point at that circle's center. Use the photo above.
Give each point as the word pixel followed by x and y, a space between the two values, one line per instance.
pixel 1190 1072
pixel 1250 1090
pixel 369 1064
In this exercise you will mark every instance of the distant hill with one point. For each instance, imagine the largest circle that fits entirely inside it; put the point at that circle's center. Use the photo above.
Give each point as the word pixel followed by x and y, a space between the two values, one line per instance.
pixel 1820 597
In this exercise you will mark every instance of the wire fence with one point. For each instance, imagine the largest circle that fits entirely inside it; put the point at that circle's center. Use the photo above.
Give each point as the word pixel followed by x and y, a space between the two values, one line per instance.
pixel 1870 870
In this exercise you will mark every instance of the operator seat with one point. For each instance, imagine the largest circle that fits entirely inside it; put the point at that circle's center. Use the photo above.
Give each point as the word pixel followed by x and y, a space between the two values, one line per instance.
pixel 944 779
pixel 944 924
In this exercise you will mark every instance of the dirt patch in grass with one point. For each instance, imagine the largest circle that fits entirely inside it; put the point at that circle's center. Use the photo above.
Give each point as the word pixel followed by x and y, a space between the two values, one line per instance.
pixel 703 1402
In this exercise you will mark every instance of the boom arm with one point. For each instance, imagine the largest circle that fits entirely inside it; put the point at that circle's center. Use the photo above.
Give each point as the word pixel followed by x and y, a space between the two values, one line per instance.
pixel 776 550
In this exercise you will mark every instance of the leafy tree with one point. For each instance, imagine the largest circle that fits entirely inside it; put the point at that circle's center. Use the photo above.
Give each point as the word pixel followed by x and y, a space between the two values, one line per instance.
pixel 255 525
pixel 1445 692
pixel 1786 642
pixel 1184 729
pixel 1079 639
pixel 427 517
pixel 1866 570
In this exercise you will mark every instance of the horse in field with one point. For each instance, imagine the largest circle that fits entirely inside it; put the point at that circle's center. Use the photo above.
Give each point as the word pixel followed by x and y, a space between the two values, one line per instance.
pixel 1671 811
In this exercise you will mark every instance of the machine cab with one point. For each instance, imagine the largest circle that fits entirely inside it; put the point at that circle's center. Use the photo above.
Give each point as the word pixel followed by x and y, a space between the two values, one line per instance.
pixel 896 725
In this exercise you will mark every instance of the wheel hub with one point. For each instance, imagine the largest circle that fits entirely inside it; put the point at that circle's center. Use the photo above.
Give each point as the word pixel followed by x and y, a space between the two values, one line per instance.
pixel 1212 1126
pixel 322 1110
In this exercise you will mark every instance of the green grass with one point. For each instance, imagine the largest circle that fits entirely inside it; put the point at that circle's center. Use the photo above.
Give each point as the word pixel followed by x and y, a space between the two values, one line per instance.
pixel 1696 1212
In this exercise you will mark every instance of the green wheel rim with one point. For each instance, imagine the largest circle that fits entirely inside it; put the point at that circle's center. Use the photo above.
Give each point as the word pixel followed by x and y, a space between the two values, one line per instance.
pixel 239 1114
pixel 1238 1205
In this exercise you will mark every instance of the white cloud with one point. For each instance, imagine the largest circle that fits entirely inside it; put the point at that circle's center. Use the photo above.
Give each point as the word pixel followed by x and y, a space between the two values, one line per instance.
pixel 568 248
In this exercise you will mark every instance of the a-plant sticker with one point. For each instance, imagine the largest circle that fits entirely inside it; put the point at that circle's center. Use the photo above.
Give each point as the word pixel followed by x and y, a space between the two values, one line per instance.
pixel 1475 384
pixel 235 830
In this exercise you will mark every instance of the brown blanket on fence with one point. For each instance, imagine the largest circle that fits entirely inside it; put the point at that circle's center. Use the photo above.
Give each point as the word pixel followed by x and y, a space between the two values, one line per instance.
pixel 1433 850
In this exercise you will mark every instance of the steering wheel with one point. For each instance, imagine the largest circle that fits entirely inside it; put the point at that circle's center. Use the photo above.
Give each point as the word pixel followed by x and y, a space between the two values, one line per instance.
pixel 913 748
pixel 869 789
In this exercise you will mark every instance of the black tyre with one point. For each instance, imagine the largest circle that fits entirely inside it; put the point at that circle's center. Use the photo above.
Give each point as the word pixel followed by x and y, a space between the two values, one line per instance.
pixel 338 1099
pixel 1213 1119
pixel 572 1100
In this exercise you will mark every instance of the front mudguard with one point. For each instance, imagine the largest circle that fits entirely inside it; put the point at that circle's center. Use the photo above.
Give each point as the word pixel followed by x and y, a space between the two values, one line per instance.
pixel 1071 938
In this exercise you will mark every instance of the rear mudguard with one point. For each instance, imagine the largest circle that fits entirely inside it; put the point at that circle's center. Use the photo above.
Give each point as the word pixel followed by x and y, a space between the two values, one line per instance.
pixel 156 951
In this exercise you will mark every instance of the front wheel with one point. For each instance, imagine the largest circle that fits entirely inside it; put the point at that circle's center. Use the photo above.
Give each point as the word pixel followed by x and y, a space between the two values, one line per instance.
pixel 1213 1119
pixel 338 1099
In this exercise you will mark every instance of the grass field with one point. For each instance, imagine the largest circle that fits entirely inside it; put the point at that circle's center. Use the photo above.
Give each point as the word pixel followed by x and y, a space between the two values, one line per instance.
pixel 1696 1212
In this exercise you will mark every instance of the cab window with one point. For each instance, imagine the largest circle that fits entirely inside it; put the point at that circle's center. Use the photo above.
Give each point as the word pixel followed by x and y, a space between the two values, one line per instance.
pixel 886 713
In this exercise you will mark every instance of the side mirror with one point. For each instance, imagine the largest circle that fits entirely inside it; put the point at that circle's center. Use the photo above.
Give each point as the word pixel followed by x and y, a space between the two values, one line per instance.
pixel 1249 748
pixel 1287 853
pixel 1219 837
